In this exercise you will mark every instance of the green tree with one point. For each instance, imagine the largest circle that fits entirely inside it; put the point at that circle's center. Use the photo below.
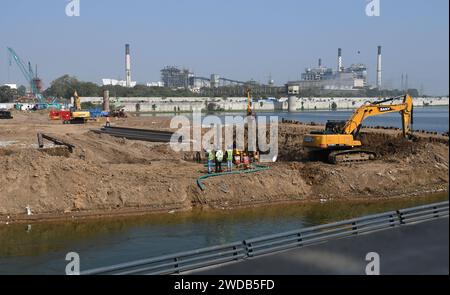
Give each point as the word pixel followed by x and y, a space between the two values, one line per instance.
pixel 334 106
pixel 62 87
pixel 7 94
pixel 22 90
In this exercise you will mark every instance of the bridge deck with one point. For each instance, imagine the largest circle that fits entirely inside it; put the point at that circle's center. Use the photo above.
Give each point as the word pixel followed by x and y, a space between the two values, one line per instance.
pixel 413 249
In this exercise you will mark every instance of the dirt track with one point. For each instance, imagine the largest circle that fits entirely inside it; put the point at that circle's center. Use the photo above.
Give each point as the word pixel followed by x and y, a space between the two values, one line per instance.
pixel 108 175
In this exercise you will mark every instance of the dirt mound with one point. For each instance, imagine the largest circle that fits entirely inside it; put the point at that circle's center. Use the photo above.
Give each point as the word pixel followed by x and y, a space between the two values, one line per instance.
pixel 113 174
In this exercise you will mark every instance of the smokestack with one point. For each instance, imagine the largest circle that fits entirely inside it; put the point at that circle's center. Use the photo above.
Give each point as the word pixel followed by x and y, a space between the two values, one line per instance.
pixel 320 62
pixel 406 83
pixel 128 65
pixel 379 68
pixel 403 83
pixel 340 67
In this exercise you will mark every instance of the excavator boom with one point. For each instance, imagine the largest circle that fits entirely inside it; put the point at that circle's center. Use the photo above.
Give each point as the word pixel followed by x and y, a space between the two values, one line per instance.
pixel 365 111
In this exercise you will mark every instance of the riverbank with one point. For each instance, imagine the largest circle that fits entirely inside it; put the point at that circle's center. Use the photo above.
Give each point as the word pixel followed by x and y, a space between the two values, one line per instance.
pixel 107 176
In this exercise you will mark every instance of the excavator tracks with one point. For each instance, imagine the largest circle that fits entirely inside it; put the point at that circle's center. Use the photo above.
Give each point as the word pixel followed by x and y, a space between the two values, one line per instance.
pixel 351 156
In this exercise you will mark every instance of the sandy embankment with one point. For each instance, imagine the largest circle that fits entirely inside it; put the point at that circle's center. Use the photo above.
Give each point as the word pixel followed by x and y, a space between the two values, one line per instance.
pixel 106 175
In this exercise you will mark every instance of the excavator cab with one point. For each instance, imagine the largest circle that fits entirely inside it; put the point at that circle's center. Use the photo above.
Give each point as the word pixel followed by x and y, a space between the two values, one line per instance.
pixel 335 127
pixel 331 127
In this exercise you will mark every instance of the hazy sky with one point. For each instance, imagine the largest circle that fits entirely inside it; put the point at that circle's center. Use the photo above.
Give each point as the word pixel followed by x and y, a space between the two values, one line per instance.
pixel 238 39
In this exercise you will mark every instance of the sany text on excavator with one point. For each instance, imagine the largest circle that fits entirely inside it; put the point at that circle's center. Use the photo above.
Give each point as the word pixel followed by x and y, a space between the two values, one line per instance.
pixel 339 141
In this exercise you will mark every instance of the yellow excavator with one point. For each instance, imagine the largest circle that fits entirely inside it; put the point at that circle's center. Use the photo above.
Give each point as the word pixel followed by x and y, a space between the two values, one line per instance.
pixel 76 115
pixel 339 141
pixel 249 102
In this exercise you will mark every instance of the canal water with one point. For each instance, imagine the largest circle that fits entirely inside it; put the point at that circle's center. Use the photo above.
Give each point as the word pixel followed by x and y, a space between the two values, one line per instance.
pixel 42 248
pixel 435 119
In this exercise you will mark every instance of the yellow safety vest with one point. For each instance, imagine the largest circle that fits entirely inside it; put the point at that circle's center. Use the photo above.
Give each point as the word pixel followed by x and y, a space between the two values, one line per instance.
pixel 229 155
pixel 219 155
pixel 210 155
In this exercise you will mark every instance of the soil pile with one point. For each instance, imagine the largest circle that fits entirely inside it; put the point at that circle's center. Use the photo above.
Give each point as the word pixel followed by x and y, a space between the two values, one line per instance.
pixel 112 175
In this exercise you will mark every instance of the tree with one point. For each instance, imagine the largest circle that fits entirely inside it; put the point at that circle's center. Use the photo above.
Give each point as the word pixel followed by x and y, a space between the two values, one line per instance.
pixel 334 106
pixel 22 90
pixel 64 87
pixel 7 94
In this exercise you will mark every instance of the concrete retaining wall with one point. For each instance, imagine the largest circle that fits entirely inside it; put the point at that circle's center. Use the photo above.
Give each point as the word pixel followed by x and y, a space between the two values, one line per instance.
pixel 188 104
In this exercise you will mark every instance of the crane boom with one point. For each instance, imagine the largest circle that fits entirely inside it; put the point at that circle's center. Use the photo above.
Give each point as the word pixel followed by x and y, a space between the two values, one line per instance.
pixel 28 74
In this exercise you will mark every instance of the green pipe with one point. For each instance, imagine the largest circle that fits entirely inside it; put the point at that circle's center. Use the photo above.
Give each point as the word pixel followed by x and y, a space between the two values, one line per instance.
pixel 257 169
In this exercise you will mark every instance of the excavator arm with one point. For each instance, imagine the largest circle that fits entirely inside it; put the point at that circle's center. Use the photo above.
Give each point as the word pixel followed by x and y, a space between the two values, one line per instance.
pixel 406 109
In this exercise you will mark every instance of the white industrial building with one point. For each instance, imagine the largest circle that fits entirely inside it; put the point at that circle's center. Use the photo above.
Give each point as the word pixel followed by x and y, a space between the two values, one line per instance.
pixel 113 82
pixel 12 86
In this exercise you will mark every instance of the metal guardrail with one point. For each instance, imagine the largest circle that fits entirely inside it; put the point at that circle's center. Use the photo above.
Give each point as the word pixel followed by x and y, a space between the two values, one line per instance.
pixel 176 263
pixel 196 259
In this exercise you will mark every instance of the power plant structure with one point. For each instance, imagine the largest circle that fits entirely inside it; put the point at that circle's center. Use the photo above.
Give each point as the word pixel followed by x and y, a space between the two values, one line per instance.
pixel 346 80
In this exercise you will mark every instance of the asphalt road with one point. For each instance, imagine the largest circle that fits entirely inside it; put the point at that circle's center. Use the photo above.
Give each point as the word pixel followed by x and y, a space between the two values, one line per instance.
pixel 414 249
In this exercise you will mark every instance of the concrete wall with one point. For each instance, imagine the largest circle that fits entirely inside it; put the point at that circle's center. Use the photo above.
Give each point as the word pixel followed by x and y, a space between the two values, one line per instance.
pixel 188 104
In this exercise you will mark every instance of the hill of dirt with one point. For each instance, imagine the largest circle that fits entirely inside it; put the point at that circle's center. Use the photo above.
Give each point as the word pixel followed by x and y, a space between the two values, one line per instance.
pixel 106 175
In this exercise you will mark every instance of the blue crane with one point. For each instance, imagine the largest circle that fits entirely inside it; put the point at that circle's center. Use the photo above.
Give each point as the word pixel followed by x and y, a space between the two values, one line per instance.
pixel 28 74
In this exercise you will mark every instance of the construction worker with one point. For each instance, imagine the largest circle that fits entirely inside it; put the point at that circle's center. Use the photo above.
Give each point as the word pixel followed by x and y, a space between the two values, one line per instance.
pixel 237 157
pixel 229 159
pixel 219 159
pixel 246 161
pixel 211 156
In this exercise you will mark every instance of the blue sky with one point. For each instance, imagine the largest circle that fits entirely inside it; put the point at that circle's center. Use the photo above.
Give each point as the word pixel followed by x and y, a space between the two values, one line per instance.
pixel 246 39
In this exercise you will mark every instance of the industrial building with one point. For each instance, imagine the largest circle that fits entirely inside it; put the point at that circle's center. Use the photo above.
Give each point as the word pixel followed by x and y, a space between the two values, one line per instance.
pixel 114 82
pixel 344 79
pixel 176 78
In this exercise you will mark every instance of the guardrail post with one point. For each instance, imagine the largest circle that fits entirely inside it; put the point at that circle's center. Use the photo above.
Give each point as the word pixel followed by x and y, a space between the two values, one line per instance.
pixel 235 253
pixel 248 250
pixel 436 212
pixel 354 228
pixel 392 220
pixel 400 216
pixel 176 265
pixel 300 239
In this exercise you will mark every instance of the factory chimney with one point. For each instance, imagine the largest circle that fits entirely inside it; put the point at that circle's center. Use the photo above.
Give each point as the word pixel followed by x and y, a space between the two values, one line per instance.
pixel 403 83
pixel 379 68
pixel 340 67
pixel 128 65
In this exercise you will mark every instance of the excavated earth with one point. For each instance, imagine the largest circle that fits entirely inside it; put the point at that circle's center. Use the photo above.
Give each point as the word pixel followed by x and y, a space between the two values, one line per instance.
pixel 113 176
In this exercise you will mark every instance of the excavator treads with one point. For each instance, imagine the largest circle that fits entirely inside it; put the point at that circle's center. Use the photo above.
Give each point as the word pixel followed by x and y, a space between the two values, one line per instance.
pixel 347 156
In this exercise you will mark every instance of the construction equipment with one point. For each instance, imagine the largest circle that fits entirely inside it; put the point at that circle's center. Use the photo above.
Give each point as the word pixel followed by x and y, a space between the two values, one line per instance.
pixel 76 115
pixel 5 115
pixel 249 102
pixel 339 141
pixel 35 82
